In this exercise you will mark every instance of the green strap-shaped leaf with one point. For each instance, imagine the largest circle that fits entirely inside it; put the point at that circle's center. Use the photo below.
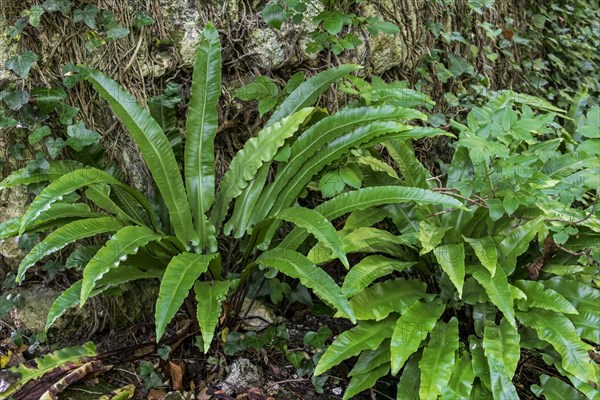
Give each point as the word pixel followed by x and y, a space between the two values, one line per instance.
pixel 318 225
pixel 362 199
pixel 67 184
pixel 413 172
pixel 540 297
pixel 430 236
pixel 126 241
pixel 62 186
pixel 329 153
pixel 181 273
pixel 556 329
pixel 585 299
pixel 437 361
pixel 411 329
pixel 410 380
pixel 113 278
pixel 501 346
pixel 480 365
pixel 451 258
pixel 100 195
pixel 65 235
pixel 461 381
pixel 155 149
pixel 67 299
pixel 201 128
pixel 486 252
pixel 314 142
pixel 364 240
pixel 498 290
pixel 308 92
pixel 304 95
pixel 295 265
pixel 384 298
pixel 371 359
pixel 47 363
pixel 553 388
pixel 367 270
pixel 245 203
pixel 364 218
pixel 25 176
pixel 367 335
pixel 209 296
pixel 57 215
pixel 246 163
pixel 361 382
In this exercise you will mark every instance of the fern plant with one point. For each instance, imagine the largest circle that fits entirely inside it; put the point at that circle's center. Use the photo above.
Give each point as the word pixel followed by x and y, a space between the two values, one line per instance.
pixel 175 238
pixel 450 298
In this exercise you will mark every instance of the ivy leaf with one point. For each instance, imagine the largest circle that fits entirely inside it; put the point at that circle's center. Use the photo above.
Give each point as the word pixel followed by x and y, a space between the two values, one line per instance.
pixel 48 99
pixel 21 63
pixel 39 164
pixel 87 15
pixel 38 134
pixel 14 99
pixel 34 14
pixel 71 75
pixel 274 14
pixel 66 113
pixel 142 19
pixel 54 146
pixel 16 151
pixel 117 33
pixel 53 268
pixel 64 6
pixel 6 122
pixel 318 339
pixel 80 136
pixel 459 66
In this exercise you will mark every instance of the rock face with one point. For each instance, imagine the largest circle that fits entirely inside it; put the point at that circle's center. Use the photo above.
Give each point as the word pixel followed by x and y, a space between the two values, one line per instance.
pixel 244 374
pixel 13 201
pixel 111 312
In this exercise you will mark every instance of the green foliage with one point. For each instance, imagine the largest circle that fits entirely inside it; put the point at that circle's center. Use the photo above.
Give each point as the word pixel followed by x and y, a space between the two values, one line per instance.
pixel 519 178
pixel 337 29
pixel 175 239
pixel 568 33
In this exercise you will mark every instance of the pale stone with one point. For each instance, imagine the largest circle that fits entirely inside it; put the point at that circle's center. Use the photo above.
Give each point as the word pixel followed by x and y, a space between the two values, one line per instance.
pixel 244 374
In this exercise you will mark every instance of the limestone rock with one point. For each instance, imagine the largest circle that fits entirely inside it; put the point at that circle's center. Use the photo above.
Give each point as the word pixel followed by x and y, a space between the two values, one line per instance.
pixel 244 374
pixel 98 314
pixel 174 396
pixel 13 202
pixel 268 47
pixel 259 316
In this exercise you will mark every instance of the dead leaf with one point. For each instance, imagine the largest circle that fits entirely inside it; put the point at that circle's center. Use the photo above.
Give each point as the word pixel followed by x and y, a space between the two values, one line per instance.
pixel 176 371
pixel 203 394
pixel 155 394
